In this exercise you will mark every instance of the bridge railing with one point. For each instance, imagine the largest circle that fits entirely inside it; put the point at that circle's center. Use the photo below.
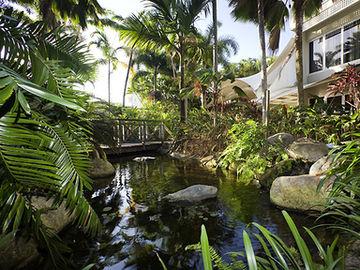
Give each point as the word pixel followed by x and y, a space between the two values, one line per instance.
pixel 114 133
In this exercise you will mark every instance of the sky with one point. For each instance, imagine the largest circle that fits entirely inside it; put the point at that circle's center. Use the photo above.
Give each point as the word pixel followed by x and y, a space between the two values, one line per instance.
pixel 246 35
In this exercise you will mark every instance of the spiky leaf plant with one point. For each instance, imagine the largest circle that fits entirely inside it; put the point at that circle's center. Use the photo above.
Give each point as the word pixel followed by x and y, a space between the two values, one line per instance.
pixel 44 136
pixel 275 253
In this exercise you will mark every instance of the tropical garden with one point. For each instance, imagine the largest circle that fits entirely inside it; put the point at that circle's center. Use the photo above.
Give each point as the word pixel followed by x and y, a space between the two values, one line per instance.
pixel 49 141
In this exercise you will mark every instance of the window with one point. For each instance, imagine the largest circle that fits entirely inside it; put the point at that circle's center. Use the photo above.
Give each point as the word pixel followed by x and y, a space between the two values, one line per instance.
pixel 333 48
pixel 334 104
pixel 352 41
pixel 316 55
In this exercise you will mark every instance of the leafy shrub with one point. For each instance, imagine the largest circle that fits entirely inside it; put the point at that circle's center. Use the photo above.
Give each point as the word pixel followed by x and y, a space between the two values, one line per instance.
pixel 248 150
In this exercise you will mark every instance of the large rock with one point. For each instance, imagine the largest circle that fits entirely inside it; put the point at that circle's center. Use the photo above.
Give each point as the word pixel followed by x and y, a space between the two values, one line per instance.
pixel 352 258
pixel 56 219
pixel 299 193
pixel 321 166
pixel 101 168
pixel 18 253
pixel 21 251
pixel 283 139
pixel 307 151
pixel 192 194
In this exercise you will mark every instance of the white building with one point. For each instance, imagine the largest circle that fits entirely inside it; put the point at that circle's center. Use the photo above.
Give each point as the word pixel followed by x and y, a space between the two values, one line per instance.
pixel 331 40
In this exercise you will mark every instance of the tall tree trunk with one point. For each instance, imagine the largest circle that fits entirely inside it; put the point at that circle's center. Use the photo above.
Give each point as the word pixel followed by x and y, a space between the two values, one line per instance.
pixel 183 101
pixel 215 58
pixel 109 73
pixel 299 19
pixel 264 82
pixel 127 74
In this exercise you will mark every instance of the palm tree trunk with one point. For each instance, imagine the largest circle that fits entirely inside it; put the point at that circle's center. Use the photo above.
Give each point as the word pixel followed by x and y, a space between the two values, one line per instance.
pixel 215 58
pixel 109 73
pixel 183 101
pixel 264 86
pixel 155 80
pixel 127 74
pixel 299 19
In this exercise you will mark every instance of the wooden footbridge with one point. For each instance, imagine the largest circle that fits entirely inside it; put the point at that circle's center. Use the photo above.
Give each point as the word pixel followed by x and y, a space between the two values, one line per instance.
pixel 123 136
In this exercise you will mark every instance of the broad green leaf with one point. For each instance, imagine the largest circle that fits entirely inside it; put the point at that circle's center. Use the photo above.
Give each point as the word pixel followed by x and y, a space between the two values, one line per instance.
pixel 205 249
pixel 304 250
pixel 37 91
pixel 250 255
pixel 23 102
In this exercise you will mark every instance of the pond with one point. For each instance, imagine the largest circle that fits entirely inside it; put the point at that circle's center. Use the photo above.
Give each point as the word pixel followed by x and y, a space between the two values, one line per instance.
pixel 137 225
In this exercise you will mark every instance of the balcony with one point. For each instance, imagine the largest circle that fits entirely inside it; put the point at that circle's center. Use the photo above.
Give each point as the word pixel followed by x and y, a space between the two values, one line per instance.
pixel 331 10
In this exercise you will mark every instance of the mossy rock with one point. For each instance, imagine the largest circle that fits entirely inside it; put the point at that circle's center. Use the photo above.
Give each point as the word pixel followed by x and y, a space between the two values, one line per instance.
pixel 101 168
pixel 299 193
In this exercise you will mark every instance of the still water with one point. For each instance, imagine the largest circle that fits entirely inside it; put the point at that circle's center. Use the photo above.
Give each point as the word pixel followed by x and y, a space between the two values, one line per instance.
pixel 137 225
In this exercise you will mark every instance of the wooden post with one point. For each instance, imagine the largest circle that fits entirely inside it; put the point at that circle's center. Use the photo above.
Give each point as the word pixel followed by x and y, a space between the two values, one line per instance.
pixel 121 133
pixel 161 132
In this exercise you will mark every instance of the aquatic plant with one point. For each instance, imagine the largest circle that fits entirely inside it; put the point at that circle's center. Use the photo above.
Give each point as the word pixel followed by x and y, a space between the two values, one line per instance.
pixel 274 252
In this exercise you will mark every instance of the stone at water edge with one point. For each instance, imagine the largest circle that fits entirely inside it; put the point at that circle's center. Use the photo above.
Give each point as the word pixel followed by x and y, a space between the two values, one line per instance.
pixel 56 219
pixel 143 159
pixel 299 192
pixel 321 166
pixel 101 168
pixel 283 139
pixel 192 194
pixel 307 151
pixel 209 161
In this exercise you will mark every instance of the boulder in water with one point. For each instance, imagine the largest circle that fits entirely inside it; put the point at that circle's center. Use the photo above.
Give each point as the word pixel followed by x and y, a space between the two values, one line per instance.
pixel 299 192
pixel 283 139
pixel 101 168
pixel 307 151
pixel 193 194
pixel 143 159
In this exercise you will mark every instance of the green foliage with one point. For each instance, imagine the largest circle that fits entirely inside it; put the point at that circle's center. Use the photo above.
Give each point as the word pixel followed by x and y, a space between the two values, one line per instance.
pixel 344 204
pixel 276 254
pixel 44 137
pixel 311 123
pixel 248 151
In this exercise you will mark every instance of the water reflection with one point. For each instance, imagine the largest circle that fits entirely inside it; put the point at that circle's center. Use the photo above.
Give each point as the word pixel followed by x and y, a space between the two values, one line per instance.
pixel 136 222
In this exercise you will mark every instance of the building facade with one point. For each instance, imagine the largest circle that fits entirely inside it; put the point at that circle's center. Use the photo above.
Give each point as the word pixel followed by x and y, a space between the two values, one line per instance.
pixel 331 41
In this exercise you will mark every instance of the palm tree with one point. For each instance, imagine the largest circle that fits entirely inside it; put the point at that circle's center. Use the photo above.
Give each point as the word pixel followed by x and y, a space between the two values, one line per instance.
pixel 109 53
pixel 302 9
pixel 129 66
pixel 157 62
pixel 51 11
pixel 171 28
pixel 215 57
pixel 269 15
pixel 44 145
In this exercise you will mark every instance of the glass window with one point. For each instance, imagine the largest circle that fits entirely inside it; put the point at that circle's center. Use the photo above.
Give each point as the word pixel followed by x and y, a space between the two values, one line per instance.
pixel 334 104
pixel 316 55
pixel 352 41
pixel 333 48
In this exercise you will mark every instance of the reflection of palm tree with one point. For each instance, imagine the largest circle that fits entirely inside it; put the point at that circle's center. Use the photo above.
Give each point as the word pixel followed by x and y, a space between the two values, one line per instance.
pixel 332 58
pixel 352 47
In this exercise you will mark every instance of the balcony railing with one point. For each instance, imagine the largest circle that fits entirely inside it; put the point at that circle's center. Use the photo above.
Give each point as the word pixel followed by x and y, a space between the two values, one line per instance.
pixel 335 8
